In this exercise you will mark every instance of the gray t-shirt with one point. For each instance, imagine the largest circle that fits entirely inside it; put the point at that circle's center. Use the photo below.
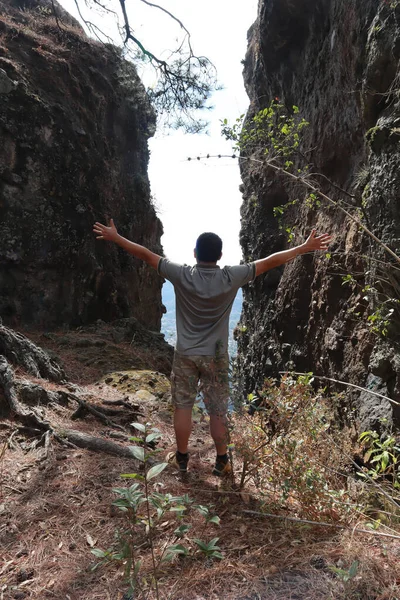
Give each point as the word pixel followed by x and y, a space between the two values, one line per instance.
pixel 204 298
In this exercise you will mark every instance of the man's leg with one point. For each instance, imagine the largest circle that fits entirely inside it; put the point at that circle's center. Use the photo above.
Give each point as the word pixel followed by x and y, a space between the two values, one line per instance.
pixel 183 428
pixel 219 432
pixel 215 387
pixel 184 381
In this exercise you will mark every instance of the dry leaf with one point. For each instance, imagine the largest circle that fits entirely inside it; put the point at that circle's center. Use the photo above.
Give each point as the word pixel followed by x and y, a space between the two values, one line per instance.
pixel 90 540
pixel 27 582
pixel 245 497
pixel 165 524
pixel 272 570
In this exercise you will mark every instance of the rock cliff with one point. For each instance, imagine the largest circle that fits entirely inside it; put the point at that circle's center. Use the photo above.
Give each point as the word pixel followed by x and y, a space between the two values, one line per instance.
pixel 74 125
pixel 338 61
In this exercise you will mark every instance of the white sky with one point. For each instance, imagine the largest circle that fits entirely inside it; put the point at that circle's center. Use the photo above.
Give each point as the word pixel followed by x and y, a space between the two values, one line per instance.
pixel 196 196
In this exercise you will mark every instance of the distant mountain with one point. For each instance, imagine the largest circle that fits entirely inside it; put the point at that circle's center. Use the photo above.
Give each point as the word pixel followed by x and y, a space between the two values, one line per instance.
pixel 168 324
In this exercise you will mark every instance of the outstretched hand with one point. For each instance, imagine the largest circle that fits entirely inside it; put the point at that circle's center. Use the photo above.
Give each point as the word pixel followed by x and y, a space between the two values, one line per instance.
pixel 105 233
pixel 314 242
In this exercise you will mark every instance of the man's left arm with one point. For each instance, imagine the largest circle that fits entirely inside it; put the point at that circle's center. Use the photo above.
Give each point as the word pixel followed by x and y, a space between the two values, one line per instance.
pixel 312 243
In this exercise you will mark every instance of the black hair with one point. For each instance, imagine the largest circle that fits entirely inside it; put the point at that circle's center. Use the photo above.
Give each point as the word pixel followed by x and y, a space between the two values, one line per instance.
pixel 208 247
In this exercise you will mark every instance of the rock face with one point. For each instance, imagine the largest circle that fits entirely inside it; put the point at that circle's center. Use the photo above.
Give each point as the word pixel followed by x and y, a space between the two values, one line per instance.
pixel 338 61
pixel 74 125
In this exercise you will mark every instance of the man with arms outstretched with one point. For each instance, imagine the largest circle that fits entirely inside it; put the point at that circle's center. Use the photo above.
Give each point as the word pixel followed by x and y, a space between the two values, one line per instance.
pixel 204 298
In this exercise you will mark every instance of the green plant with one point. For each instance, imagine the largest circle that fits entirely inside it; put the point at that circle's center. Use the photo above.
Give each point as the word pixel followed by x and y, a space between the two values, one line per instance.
pixel 383 454
pixel 275 129
pixel 145 508
pixel 312 201
pixel 377 303
pixel 346 574
pixel 380 319
pixel 275 134
pixel 280 211
pixel 210 550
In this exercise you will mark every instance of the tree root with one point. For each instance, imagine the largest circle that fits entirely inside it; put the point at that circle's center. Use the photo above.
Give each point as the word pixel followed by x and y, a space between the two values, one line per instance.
pixel 31 419
pixel 134 408
pixel 27 416
pixel 21 351
pixel 85 407
pixel 83 440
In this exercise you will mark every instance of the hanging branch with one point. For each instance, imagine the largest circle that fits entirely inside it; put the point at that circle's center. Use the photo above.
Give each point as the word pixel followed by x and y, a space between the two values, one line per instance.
pixel 357 387
pixel 172 17
pixel 311 186
pixel 319 524
pixel 185 80
pixel 91 26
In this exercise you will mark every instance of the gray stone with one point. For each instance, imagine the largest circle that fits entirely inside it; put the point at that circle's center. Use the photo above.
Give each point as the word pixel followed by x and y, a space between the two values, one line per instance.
pixel 6 84
pixel 380 363
pixel 375 413
pixel 144 395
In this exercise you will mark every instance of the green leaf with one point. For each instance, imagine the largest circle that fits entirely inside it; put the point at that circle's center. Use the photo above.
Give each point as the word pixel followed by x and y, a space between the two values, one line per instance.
pixel 156 470
pixel 366 434
pixel 203 510
pixel 202 545
pixel 367 455
pixel 385 460
pixel 353 569
pixel 179 508
pixel 122 491
pixel 180 531
pixel 99 553
pixel 178 549
pixel 137 452
pixel 215 519
pixel 341 572
pixel 216 554
pixel 123 502
pixel 152 436
pixel 172 551
pixel 139 427
pixel 132 476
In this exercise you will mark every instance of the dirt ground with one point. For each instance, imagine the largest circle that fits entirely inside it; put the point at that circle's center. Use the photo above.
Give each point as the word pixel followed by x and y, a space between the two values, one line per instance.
pixel 56 506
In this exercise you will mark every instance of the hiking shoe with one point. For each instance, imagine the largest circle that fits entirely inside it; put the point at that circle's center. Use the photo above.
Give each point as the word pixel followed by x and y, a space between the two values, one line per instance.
pixel 222 466
pixel 179 460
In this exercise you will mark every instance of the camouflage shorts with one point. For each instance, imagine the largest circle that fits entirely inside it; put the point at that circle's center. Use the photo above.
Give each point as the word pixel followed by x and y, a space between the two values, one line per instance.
pixel 206 374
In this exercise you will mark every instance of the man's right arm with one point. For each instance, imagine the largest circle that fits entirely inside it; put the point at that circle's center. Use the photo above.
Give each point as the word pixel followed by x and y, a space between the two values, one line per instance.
pixel 111 234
